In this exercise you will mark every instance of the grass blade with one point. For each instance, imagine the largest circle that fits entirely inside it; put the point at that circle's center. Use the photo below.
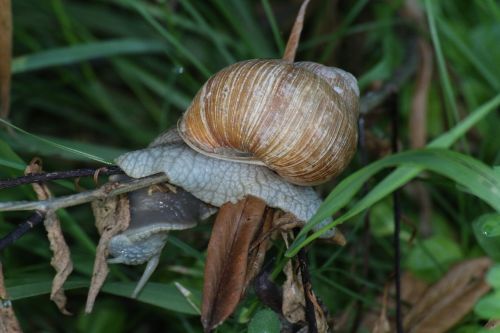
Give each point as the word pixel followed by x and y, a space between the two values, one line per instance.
pixel 443 73
pixel 84 52
pixel 346 189
pixel 57 145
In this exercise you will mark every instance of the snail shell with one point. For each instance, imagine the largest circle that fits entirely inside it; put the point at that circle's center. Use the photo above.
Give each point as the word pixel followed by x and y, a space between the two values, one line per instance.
pixel 298 119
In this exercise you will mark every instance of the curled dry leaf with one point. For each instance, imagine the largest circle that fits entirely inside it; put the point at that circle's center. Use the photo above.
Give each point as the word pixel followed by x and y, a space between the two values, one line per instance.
pixel 315 314
pixel 258 249
pixel 112 216
pixel 234 229
pixel 293 40
pixel 8 320
pixel 5 55
pixel 493 323
pixel 61 257
pixel 445 303
pixel 300 304
pixel 294 302
pixel 412 290
pixel 61 260
pixel 418 114
pixel 382 323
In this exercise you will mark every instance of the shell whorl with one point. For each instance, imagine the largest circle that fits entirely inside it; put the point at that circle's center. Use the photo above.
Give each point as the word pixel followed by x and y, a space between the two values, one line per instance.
pixel 297 119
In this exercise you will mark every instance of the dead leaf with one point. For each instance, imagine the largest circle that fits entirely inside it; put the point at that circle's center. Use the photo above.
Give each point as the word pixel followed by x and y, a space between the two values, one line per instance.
pixel 293 40
pixel 412 290
pixel 5 56
pixel 226 266
pixel 321 319
pixel 300 304
pixel 61 260
pixel 258 249
pixel 382 324
pixel 61 255
pixel 418 112
pixel 315 315
pixel 294 302
pixel 492 323
pixel 450 299
pixel 112 216
pixel 8 320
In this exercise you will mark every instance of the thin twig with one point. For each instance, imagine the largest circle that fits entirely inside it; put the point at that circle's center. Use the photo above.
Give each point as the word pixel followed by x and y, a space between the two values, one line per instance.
pixel 21 229
pixel 105 191
pixel 43 177
pixel 41 207
pixel 397 218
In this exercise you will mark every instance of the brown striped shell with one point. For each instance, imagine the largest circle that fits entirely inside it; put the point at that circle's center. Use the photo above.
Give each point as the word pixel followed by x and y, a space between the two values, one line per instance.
pixel 298 119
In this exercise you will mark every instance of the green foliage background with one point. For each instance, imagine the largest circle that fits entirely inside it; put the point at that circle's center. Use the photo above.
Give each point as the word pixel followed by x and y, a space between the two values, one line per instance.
pixel 105 77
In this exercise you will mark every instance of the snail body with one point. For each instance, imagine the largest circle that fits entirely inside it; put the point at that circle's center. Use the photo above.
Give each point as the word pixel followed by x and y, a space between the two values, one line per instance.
pixel 248 120
pixel 154 212
pixel 298 119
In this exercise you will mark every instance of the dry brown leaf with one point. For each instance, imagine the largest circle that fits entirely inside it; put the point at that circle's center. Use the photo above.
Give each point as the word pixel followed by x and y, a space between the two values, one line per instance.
pixel 225 269
pixel 294 302
pixel 492 323
pixel 112 216
pixel 300 303
pixel 293 40
pixel 382 324
pixel 414 12
pixel 5 56
pixel 257 252
pixel 418 114
pixel 8 320
pixel 61 260
pixel 319 314
pixel 61 255
pixel 450 299
pixel 314 313
pixel 412 290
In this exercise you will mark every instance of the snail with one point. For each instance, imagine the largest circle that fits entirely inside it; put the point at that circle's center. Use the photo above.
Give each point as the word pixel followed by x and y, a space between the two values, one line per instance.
pixel 154 211
pixel 298 119
pixel 269 128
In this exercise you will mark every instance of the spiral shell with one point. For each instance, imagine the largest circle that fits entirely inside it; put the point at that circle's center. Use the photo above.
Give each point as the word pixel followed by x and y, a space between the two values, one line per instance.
pixel 298 119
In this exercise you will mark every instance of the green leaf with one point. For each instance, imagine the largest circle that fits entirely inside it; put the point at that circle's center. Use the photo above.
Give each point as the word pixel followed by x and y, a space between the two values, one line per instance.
pixel 346 189
pixel 488 307
pixel 478 178
pixel 264 321
pixel 429 259
pixel 487 231
pixel 493 276
pixel 35 288
pixel 78 53
pixel 9 158
pixel 166 296
pixel 450 102
pixel 61 147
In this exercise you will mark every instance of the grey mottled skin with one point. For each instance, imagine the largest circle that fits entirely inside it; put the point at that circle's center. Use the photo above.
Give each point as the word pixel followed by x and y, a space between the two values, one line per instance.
pixel 152 215
pixel 216 181
pixel 211 180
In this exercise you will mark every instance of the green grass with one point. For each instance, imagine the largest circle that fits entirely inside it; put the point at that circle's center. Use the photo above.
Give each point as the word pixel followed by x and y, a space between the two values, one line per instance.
pixel 93 79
